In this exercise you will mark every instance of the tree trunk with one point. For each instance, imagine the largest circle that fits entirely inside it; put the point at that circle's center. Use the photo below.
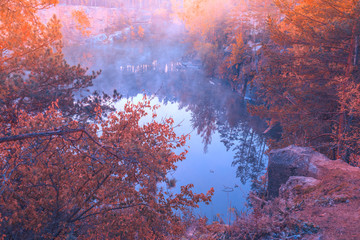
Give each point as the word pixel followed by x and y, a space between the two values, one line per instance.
pixel 348 71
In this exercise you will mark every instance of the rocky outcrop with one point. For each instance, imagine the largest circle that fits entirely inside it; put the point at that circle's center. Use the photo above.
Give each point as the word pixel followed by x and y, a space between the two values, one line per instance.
pixel 313 188
pixel 299 161
pixel 319 199
pixel 296 184
pixel 290 161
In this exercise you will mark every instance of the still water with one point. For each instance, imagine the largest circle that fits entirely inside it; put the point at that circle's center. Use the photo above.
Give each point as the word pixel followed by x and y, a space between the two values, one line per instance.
pixel 225 150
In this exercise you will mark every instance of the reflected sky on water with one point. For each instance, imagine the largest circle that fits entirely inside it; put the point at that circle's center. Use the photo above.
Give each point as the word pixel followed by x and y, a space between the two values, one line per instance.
pixel 225 152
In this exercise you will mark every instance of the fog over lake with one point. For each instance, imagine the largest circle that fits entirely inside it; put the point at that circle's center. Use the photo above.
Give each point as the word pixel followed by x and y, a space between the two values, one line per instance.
pixel 225 150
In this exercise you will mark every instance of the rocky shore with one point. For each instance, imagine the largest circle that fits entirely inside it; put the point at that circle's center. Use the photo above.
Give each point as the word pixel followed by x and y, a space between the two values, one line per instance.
pixel 308 197
pixel 317 189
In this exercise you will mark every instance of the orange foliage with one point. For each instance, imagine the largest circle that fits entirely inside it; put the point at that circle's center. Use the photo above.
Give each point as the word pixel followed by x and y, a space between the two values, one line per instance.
pixel 62 178
pixel 101 181
pixel 82 21
pixel 141 32
pixel 202 16
pixel 132 33
pixel 19 24
pixel 309 80
pixel 33 70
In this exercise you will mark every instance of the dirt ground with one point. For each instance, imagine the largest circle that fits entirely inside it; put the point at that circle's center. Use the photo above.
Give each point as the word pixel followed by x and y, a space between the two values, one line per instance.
pixel 333 205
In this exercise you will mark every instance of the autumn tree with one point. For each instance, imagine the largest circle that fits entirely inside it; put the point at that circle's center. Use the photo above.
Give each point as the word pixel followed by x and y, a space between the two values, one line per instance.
pixel 236 65
pixel 65 172
pixel 33 72
pixel 98 180
pixel 82 21
pixel 310 77
pixel 205 20
pixel 246 31
pixel 141 32
pixel 21 30
pixel 227 37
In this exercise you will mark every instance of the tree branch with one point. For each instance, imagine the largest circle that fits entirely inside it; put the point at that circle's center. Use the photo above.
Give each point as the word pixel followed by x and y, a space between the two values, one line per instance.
pixel 40 134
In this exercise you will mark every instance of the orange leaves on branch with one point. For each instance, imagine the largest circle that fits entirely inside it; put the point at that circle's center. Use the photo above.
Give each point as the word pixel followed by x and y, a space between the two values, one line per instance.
pixel 93 182
pixel 20 29
pixel 308 80
pixel 82 21
pixel 141 32
pixel 202 16
pixel 34 72
pixel 61 178
pixel 138 33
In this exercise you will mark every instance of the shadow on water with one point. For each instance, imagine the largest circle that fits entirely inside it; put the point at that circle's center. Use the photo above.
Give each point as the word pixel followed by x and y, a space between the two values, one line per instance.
pixel 225 142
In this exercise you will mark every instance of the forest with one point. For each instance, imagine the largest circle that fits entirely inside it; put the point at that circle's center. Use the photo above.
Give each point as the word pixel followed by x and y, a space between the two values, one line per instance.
pixel 80 168
pixel 300 59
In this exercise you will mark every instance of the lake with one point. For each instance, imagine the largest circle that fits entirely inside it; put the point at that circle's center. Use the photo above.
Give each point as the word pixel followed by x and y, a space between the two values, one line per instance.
pixel 225 150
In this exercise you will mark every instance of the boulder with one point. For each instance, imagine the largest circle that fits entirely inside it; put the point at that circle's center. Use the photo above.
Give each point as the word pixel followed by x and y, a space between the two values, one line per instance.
pixel 301 161
pixel 292 161
pixel 296 185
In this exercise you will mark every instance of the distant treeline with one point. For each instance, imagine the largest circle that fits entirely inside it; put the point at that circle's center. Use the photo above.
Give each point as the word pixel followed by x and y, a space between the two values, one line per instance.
pixel 118 3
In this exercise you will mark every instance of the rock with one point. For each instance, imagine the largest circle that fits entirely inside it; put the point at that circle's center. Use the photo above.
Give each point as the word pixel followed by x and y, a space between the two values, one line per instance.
pixel 314 188
pixel 291 161
pixel 296 185
pixel 301 161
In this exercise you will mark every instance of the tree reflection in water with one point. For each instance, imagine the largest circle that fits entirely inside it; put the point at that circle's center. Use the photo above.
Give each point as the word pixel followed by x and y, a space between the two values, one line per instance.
pixel 214 106
pixel 248 147
pixel 239 132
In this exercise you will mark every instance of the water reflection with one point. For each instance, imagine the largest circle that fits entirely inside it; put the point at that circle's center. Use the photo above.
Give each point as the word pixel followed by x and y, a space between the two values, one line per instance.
pixel 248 148
pixel 225 139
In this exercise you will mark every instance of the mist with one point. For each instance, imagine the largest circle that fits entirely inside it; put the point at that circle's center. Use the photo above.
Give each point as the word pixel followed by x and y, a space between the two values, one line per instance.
pixel 149 49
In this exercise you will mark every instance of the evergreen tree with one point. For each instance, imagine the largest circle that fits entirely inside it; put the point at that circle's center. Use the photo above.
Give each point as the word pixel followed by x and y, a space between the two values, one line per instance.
pixel 310 64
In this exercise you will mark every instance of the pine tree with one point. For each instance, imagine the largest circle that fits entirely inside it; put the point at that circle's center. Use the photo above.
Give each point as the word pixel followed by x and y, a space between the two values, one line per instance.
pixel 310 64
